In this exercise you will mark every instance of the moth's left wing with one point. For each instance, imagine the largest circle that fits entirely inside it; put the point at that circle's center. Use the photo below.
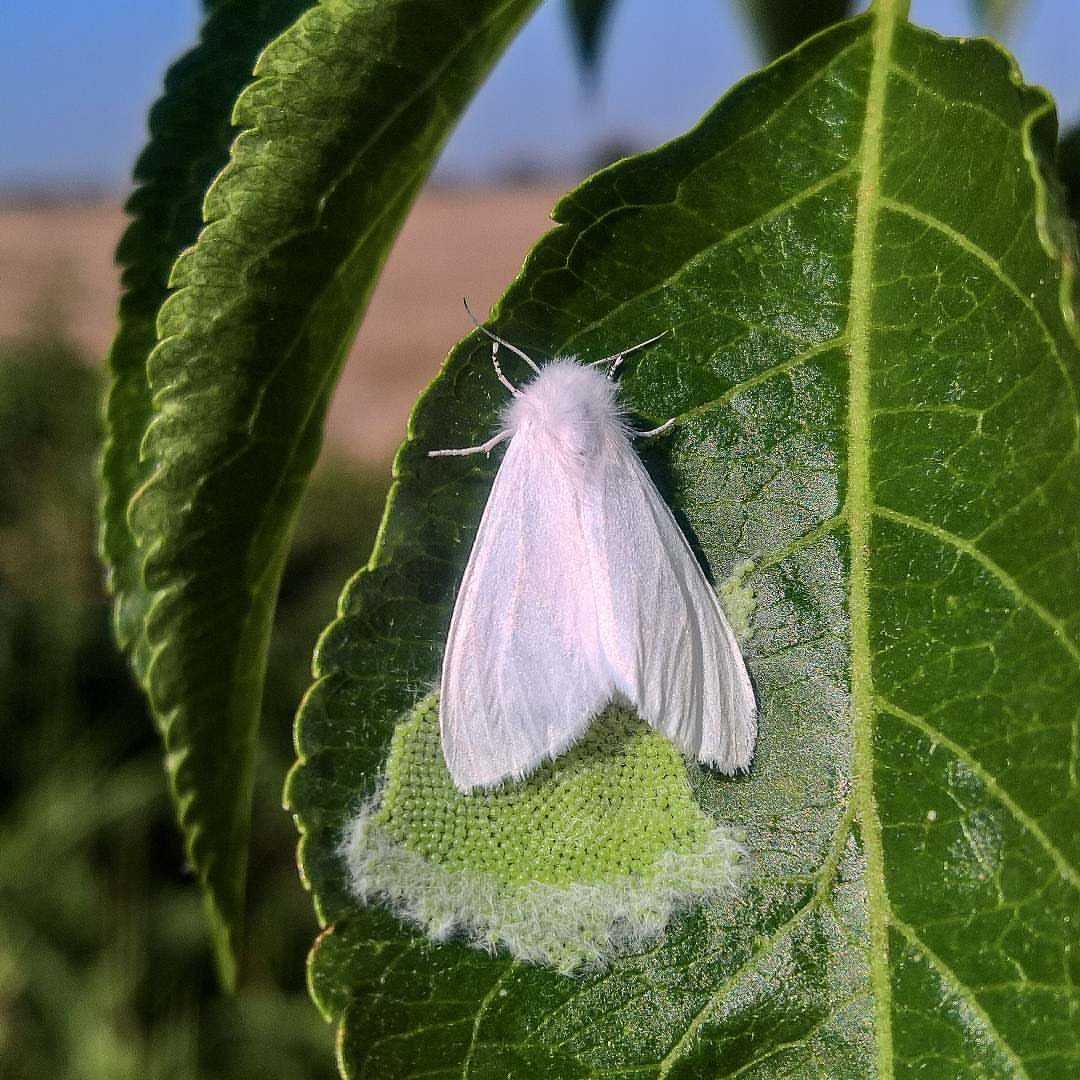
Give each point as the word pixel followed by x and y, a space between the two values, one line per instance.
pixel 671 649
pixel 522 674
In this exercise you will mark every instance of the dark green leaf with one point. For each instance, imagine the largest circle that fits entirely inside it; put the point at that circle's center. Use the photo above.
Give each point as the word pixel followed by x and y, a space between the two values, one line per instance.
pixel 339 131
pixel 997 14
pixel 589 20
pixel 780 24
pixel 876 392
pixel 1069 170
pixel 783 24
pixel 190 132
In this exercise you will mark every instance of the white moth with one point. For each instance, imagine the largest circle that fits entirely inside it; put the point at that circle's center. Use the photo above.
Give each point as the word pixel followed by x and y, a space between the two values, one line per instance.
pixel 580 591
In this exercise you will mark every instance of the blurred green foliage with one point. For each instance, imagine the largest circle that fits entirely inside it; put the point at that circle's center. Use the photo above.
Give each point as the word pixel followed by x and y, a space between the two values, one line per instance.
pixel 1069 170
pixel 105 969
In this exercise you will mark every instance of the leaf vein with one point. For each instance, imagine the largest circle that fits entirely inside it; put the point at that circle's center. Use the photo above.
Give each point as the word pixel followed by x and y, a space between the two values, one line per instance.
pixel 958 543
pixel 1021 816
pixel 796 1043
pixel 931 221
pixel 923 87
pixel 698 256
pixel 825 879
pixel 966 994
pixel 761 376
pixel 481 1010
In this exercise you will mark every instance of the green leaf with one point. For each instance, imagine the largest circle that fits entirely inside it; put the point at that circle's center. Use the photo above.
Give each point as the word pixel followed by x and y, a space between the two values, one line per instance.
pixel 781 24
pixel 589 20
pixel 1068 159
pixel 338 132
pixel 190 132
pixel 998 15
pixel 875 386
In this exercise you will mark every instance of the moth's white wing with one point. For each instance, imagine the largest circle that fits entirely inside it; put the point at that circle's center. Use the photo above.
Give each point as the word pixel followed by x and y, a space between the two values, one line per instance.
pixel 522 673
pixel 670 648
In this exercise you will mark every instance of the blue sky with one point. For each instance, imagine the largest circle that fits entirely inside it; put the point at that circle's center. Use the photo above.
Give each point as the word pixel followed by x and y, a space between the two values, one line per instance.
pixel 76 79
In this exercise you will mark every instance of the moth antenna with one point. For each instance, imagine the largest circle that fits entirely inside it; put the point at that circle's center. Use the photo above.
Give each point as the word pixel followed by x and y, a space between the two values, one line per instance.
pixel 499 371
pixel 494 337
pixel 616 358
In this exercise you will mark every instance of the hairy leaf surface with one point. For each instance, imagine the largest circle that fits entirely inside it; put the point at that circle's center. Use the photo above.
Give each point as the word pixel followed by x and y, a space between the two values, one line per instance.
pixel 338 131
pixel 875 386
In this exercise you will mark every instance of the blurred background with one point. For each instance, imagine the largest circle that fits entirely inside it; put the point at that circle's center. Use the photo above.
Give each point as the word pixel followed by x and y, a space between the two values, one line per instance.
pixel 104 967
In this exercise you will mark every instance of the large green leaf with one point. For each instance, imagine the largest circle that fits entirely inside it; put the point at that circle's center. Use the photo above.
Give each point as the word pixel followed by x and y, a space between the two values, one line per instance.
pixel 190 132
pixel 338 132
pixel 876 397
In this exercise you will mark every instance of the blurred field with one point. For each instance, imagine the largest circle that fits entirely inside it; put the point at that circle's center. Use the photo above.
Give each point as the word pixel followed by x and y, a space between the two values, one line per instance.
pixel 57 279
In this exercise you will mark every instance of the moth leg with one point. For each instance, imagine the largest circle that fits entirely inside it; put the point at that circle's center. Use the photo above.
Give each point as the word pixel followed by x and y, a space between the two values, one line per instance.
pixel 465 451
pixel 666 426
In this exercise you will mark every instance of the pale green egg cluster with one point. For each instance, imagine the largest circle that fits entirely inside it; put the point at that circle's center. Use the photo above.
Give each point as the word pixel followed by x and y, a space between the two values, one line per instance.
pixel 590 857
pixel 608 807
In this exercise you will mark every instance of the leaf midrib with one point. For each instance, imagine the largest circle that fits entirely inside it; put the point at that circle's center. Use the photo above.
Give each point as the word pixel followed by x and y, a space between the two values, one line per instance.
pixel 859 513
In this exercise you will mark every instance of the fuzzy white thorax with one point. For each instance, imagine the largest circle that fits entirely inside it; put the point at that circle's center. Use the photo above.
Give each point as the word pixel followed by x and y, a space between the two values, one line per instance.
pixel 575 406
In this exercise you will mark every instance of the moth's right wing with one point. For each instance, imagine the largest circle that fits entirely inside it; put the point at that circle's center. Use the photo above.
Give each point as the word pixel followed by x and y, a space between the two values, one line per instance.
pixel 522 675
pixel 671 651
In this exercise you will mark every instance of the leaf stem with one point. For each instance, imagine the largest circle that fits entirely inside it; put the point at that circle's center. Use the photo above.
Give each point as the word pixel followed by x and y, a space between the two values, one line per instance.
pixel 893 10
